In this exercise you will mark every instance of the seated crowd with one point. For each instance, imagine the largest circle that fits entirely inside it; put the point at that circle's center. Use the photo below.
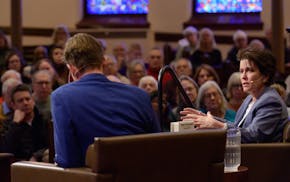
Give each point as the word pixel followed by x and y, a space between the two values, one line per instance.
pixel 212 84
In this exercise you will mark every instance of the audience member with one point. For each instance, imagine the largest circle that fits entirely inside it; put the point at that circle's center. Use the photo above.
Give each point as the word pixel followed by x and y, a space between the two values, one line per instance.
pixel 58 64
pixel 256 44
pixel 104 44
pixel 6 106
pixel 113 78
pixel 4 49
pixel 204 73
pixel 45 64
pixel 42 88
pixel 269 38
pixel 14 60
pixel 166 110
pixel 156 61
pixel 120 53
pixel 10 74
pixel 59 36
pixel 280 90
pixel 188 44
pixel 135 52
pixel 25 133
pixel 207 52
pixel 191 89
pixel 136 70
pixel 182 66
pixel 240 39
pixel 211 99
pixel 235 93
pixel 263 114
pixel 93 106
pixel 148 83
pixel 39 53
pixel 268 45
pixel 110 67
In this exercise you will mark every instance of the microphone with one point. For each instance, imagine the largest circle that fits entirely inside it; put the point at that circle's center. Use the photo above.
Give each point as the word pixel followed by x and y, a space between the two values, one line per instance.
pixel 253 81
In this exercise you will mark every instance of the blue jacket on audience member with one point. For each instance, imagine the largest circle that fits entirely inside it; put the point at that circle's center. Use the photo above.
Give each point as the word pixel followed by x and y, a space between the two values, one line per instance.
pixel 96 107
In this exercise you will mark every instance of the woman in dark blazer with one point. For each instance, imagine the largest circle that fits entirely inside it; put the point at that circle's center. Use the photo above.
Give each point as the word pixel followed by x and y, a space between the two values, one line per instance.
pixel 263 114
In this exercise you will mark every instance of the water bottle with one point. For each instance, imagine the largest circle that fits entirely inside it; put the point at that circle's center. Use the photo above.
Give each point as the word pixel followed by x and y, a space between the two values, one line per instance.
pixel 233 150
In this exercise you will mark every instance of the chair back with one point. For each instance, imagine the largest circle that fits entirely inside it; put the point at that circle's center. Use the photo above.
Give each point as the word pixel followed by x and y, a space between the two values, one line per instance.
pixel 194 156
pixel 6 160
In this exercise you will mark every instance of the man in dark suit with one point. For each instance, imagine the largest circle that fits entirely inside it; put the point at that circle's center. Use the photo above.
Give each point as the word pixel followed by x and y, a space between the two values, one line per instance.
pixel 92 106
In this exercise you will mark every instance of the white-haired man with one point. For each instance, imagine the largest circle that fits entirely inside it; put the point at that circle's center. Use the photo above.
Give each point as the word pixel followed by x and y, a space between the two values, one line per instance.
pixel 240 39
pixel 188 44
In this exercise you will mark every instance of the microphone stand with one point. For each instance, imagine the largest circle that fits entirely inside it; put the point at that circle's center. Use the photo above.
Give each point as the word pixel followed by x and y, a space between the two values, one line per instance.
pixel 162 71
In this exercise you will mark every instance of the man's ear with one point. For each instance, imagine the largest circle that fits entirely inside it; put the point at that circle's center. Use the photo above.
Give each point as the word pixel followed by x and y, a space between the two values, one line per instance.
pixel 72 68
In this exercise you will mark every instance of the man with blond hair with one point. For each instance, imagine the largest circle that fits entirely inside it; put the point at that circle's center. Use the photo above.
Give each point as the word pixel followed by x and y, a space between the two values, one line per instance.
pixel 92 106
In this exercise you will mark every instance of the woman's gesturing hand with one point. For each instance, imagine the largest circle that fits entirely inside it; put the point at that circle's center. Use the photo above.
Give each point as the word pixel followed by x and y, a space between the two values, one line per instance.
pixel 200 119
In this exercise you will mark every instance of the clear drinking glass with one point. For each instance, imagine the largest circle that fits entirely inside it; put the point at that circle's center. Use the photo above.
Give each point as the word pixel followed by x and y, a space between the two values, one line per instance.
pixel 233 150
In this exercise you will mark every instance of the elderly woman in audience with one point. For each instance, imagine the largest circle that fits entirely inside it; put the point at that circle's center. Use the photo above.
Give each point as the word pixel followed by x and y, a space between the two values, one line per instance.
pixel 235 93
pixel 148 83
pixel 10 74
pixel 204 73
pixel 211 99
pixel 191 89
pixel 110 67
pixel 263 114
pixel 182 66
pixel 207 52
pixel 136 70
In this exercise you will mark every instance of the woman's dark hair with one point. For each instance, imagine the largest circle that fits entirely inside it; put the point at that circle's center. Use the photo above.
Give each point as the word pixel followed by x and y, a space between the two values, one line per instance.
pixel 13 52
pixel 52 49
pixel 210 70
pixel 263 59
